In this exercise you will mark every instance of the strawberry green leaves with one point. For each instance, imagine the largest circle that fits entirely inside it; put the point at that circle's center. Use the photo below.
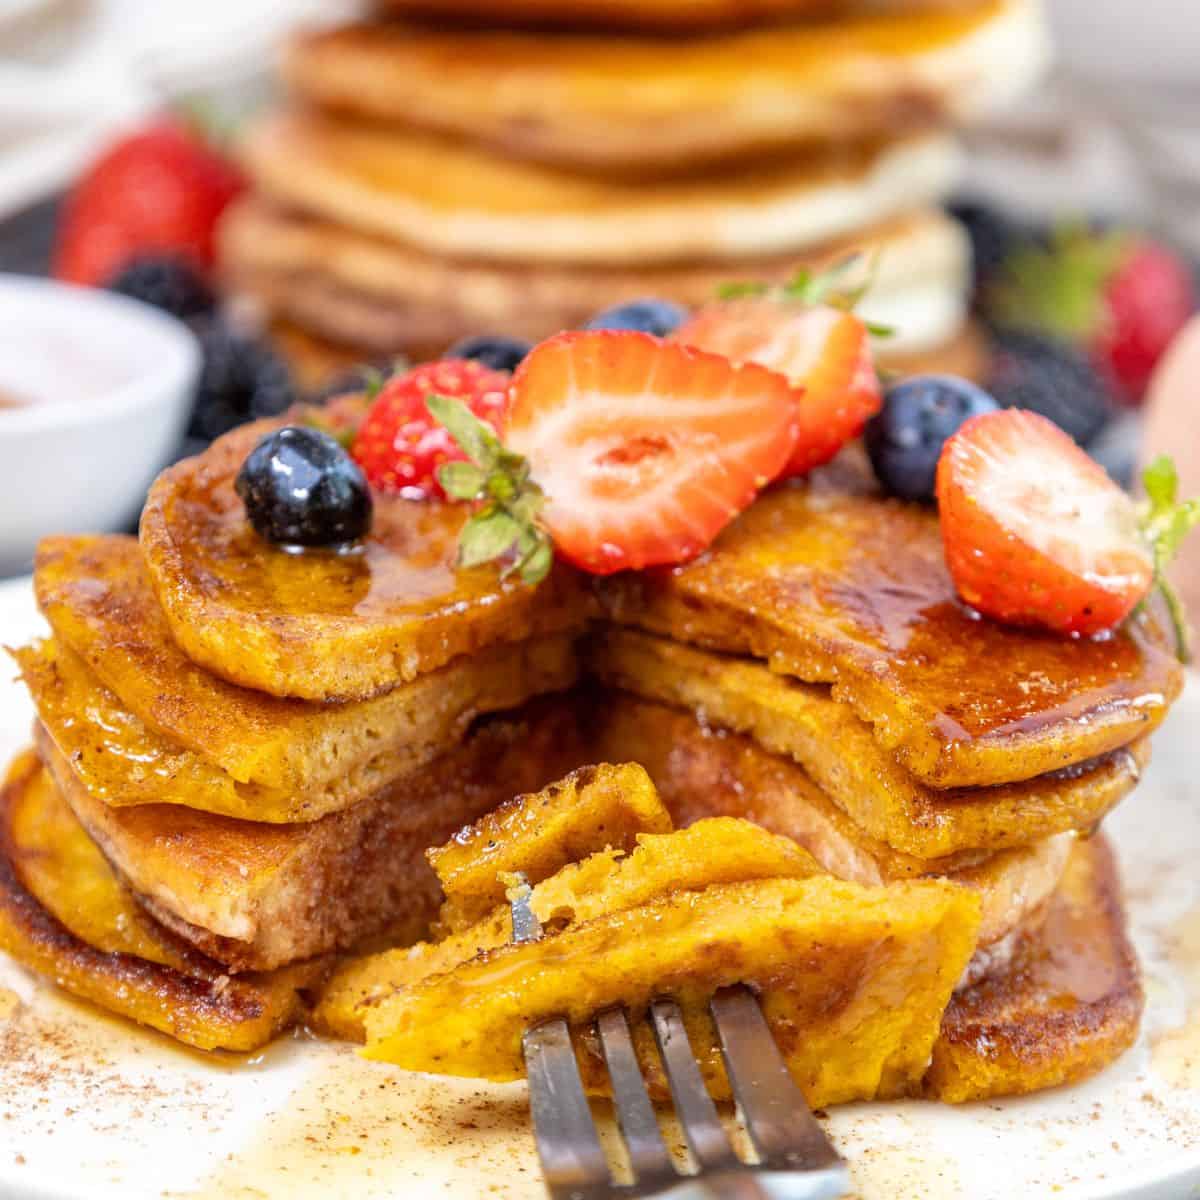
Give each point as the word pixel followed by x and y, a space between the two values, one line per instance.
pixel 506 524
pixel 1165 523
pixel 830 287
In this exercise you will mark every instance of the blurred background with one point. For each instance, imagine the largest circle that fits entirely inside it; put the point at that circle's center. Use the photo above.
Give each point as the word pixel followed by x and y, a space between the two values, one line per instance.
pixel 313 184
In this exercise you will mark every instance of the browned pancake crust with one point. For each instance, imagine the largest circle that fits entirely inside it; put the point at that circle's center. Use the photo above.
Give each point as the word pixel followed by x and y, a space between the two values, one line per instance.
pixel 320 625
pixel 293 891
pixel 387 297
pixel 196 1002
pixel 852 590
pixel 1068 1006
pixel 613 102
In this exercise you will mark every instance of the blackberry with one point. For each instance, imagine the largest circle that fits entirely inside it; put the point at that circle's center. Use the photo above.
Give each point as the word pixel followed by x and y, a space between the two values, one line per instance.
pixel 993 237
pixel 1048 376
pixel 167 282
pixel 243 379
pixel 499 353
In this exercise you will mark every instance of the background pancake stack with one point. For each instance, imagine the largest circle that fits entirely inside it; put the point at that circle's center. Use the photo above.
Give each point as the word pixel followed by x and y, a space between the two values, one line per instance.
pixel 453 168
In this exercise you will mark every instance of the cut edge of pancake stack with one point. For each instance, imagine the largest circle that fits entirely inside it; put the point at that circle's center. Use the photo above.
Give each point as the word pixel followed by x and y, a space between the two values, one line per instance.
pixel 426 182
pixel 192 844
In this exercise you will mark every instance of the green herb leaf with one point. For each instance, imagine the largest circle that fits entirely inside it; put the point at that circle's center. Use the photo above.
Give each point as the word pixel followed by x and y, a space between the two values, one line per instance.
pixel 879 331
pixel 506 527
pixel 1165 524
pixel 461 480
pixel 476 438
pixel 486 536
pixel 736 291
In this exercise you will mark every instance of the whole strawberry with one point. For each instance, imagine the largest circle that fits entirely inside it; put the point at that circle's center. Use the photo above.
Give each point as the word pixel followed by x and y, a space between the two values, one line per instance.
pixel 400 446
pixel 1120 296
pixel 160 190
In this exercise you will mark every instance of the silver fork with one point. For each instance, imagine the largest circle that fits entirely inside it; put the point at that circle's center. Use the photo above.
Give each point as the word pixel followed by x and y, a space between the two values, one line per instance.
pixel 793 1158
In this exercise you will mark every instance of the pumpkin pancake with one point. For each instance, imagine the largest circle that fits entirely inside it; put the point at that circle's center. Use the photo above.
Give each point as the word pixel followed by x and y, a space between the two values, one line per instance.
pixel 322 625
pixel 1068 1005
pixel 65 914
pixel 255 896
pixel 454 200
pixel 675 15
pixel 623 102
pixel 145 725
pixel 836 748
pixel 389 297
pixel 852 590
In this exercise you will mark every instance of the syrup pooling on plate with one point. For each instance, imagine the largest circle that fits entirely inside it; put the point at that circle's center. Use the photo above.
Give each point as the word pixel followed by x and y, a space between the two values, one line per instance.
pixel 853 591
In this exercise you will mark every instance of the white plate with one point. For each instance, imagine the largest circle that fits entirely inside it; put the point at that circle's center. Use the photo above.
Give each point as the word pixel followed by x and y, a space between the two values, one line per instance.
pixel 92 1109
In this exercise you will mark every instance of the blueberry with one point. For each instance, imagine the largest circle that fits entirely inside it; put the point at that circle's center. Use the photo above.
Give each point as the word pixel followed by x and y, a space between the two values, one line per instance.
pixel 904 440
pixel 658 317
pixel 301 488
pixel 243 379
pixel 492 350
pixel 1050 377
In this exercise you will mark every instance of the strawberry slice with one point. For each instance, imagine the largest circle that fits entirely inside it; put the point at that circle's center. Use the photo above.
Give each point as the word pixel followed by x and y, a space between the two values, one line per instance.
pixel 646 450
pixel 1034 531
pixel 623 450
pixel 825 351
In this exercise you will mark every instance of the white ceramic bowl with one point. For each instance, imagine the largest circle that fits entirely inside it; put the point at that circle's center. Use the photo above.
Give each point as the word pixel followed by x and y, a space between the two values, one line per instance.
pixel 108 384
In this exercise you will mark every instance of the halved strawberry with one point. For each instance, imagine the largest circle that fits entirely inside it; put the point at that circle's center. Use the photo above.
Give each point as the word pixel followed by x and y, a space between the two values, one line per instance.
pixel 1034 531
pixel 626 450
pixel 825 352
pixel 646 450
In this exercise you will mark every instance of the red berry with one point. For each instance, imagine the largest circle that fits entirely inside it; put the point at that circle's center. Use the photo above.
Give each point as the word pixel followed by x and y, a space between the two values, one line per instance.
pixel 825 352
pixel 400 446
pixel 1035 532
pixel 160 190
pixel 645 449
pixel 1150 297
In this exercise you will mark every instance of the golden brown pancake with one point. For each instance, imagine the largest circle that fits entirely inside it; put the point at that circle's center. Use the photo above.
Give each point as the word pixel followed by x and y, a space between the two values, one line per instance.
pixel 145 725
pixel 1068 1005
pixel 320 625
pixel 852 590
pixel 388 297
pixel 621 102
pixel 838 751
pixel 254 896
pixel 702 771
pixel 679 15
pixel 461 202
pixel 64 914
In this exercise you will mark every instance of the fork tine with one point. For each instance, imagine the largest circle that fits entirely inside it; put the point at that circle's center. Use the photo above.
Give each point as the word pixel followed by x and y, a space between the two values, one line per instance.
pixel 573 1161
pixel 648 1154
pixel 785 1134
pixel 697 1114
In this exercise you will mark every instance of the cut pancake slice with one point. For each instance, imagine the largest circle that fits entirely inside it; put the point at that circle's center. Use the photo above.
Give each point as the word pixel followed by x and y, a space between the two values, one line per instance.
pixel 837 749
pixel 65 915
pixel 1068 1005
pixel 329 626
pixel 852 590
pixel 702 772
pixel 255 896
pixel 620 102
pixel 387 297
pixel 143 725
pixel 456 201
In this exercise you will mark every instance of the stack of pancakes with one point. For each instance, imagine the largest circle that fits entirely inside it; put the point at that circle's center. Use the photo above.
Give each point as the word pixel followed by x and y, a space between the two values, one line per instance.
pixel 442 171
pixel 242 753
